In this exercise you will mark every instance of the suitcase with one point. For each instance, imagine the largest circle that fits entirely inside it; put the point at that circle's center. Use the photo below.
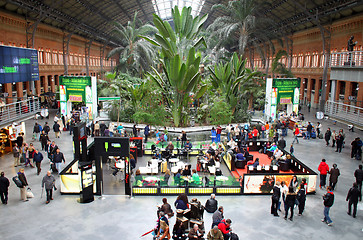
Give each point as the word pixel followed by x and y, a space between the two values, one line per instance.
pixel 218 172
pixel 164 166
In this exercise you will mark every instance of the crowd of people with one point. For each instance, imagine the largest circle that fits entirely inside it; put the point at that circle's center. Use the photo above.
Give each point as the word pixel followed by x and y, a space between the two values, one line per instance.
pixel 220 229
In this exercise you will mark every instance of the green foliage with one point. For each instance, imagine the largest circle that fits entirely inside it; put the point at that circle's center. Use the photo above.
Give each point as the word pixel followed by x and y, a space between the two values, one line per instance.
pixel 278 67
pixel 117 113
pixel 220 113
pixel 179 60
pixel 135 54
pixel 241 114
pixel 203 113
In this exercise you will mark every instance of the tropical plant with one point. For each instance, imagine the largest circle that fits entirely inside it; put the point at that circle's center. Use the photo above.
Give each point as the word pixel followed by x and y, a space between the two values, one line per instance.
pixel 179 61
pixel 135 54
pixel 278 67
pixel 239 20
pixel 231 77
pixel 220 113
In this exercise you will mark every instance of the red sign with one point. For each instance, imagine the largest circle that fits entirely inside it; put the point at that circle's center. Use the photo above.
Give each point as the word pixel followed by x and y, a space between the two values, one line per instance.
pixel 285 100
pixel 75 98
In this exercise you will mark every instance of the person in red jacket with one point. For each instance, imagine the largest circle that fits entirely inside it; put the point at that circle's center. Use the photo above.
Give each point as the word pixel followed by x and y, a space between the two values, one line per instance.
pixel 323 169
pixel 255 134
pixel 224 226
pixel 219 132
pixel 296 133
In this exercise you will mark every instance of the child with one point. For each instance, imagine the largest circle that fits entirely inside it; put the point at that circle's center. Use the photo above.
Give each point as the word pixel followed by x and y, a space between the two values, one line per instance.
pixel 292 150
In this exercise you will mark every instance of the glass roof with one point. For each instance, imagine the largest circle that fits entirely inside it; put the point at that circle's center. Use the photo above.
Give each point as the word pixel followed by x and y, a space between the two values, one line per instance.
pixel 163 7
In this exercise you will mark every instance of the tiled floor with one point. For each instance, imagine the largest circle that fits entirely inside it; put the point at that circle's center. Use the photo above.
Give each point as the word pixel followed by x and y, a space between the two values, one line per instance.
pixel 119 217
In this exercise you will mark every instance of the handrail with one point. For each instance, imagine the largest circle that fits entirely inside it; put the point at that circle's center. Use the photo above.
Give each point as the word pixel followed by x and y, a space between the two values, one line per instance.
pixel 346 59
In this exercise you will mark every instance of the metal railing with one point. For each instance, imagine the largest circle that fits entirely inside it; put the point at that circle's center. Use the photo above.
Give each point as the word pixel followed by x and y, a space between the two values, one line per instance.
pixel 346 59
pixel 18 110
pixel 345 112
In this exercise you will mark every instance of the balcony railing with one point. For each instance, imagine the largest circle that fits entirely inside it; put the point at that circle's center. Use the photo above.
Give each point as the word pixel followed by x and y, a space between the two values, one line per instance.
pixel 345 112
pixel 346 59
pixel 19 110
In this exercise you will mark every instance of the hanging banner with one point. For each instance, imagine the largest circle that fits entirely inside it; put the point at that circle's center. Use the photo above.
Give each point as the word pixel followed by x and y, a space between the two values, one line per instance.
pixel 286 89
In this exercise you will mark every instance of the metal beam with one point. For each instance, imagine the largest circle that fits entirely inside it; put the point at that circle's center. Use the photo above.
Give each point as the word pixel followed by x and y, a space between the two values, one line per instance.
pixel 87 55
pixel 122 9
pixel 143 11
pixel 66 40
pixel 57 15
pixel 102 56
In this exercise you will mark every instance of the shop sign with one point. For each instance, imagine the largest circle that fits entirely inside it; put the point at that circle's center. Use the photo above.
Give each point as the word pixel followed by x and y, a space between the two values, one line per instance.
pixel 75 98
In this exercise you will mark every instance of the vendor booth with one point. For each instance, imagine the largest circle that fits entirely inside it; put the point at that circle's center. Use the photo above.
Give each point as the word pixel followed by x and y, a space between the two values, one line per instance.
pixel 75 90
pixel 282 91
pixel 8 136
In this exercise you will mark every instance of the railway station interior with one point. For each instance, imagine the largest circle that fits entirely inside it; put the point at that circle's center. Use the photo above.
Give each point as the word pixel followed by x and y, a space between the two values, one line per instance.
pixel 124 80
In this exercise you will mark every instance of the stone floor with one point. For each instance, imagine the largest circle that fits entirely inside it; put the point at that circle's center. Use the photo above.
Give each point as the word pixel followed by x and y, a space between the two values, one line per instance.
pixel 119 217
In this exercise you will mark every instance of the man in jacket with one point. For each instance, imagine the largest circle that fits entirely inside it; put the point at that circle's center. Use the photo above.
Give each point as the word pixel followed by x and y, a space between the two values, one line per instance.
pixel 215 234
pixel 217 217
pixel 328 203
pixel 56 129
pixel 275 198
pixel 327 136
pixel 48 182
pixel 103 128
pixel 16 154
pixel 353 195
pixel 36 131
pixel 146 132
pixel 38 158
pixel 309 129
pixel 52 148
pixel 24 182
pixel 334 174
pixel 4 186
pixel 46 128
pixel 58 158
pixel 323 169
pixel 43 140
pixel 195 233
pixel 358 174
pixel 225 227
pixel 212 204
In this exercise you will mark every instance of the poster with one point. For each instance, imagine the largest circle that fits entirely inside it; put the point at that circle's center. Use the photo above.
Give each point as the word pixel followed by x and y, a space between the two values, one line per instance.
pixel 258 183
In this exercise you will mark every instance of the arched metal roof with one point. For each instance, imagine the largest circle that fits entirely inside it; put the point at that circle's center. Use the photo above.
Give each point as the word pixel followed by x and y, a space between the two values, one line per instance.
pixel 93 18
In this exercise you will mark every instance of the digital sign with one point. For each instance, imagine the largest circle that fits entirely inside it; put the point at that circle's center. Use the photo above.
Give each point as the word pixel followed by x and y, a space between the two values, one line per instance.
pixel 18 64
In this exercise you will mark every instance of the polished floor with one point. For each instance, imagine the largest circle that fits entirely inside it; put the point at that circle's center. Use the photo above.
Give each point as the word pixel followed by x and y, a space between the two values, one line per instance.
pixel 121 217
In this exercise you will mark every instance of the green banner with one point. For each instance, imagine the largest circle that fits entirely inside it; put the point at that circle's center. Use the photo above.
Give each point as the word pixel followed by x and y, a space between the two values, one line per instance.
pixel 285 89
pixel 76 87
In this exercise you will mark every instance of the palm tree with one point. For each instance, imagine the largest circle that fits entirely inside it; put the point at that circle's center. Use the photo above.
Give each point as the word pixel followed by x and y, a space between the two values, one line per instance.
pixel 180 60
pixel 135 53
pixel 239 20
pixel 278 67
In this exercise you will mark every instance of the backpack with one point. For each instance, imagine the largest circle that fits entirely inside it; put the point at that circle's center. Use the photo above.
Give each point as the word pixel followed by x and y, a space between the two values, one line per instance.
pixel 17 182
pixel 234 236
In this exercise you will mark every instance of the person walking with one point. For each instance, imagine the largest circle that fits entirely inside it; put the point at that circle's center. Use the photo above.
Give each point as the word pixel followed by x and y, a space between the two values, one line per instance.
pixel 290 202
pixel 44 138
pixel 48 182
pixel 38 158
pixel 323 169
pixel 217 216
pixel 24 182
pixel 58 158
pixel 292 150
pixel 296 133
pixel 97 129
pixel 352 196
pixel 146 132
pixel 56 129
pixel 275 198
pixel 334 174
pixel 213 135
pixel 36 131
pixel 4 186
pixel 301 197
pixel 46 128
pixel 219 132
pixel 358 174
pixel 340 141
pixel 16 155
pixel 211 204
pixel 327 136
pixel 309 129
pixel 328 203
pixel 333 138
pixel 356 151
pixel 318 129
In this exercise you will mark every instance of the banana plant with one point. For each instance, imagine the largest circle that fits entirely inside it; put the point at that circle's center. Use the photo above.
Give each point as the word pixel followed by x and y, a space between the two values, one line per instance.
pixel 179 60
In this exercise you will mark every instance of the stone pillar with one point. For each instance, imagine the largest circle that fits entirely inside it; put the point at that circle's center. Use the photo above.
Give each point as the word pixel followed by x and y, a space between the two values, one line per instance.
pixel 333 92
pixel 308 93
pixel 338 87
pixel 9 90
pixel 327 90
pixel 52 83
pixel 316 94
pixel 348 90
pixel 45 83
pixel 19 89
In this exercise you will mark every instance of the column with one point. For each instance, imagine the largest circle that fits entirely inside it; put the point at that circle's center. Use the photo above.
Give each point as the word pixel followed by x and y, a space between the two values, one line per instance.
pixel 333 91
pixel 52 83
pixel 308 93
pixel 327 90
pixel 37 91
pixel 9 90
pixel 19 89
pixel 348 90
pixel 316 94
pixel 45 83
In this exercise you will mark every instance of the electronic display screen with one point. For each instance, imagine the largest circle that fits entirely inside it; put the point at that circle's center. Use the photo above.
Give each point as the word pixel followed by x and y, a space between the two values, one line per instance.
pixel 18 64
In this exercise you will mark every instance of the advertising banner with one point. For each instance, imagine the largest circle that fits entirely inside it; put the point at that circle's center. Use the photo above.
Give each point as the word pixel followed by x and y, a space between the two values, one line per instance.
pixel 75 87
pixel 286 89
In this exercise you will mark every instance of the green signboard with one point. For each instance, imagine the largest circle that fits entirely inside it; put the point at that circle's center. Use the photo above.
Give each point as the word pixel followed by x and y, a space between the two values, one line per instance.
pixel 286 88
pixel 76 88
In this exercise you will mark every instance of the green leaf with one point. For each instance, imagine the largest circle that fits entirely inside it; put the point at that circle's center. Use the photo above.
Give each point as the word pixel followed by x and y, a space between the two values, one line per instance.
pixel 201 91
